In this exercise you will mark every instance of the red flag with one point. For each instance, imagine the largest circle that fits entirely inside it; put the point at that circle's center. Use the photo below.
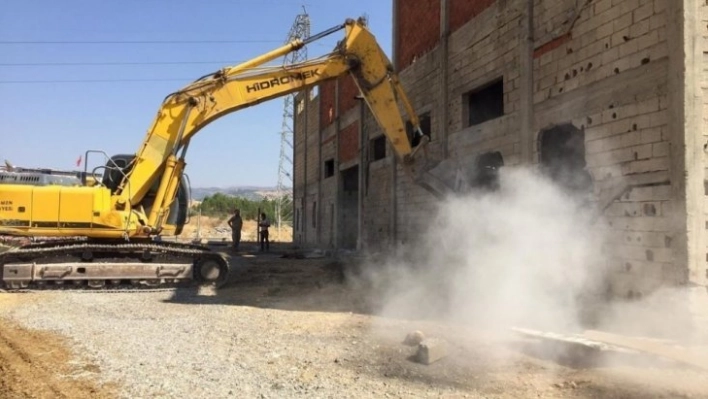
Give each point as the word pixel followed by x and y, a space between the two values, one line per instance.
pixel 78 161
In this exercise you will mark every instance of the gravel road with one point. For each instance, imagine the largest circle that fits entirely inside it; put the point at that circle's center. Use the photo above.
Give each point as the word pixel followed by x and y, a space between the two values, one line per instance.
pixel 288 328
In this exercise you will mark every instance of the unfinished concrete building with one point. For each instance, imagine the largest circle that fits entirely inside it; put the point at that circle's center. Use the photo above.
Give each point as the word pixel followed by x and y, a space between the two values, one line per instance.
pixel 612 87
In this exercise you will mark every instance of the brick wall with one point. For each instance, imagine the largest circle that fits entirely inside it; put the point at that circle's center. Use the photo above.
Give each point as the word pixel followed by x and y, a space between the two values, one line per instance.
pixel 327 95
pixel 461 11
pixel 328 193
pixel 422 84
pixel 608 37
pixel 602 67
pixel 378 189
pixel 608 76
pixel 418 29
pixel 306 166
pixel 349 142
pixel 479 52
pixel 493 54
pixel 347 94
pixel 299 150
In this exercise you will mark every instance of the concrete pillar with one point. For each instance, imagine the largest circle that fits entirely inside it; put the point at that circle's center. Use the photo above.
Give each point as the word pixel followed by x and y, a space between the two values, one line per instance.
pixel 318 228
pixel 393 215
pixel 360 193
pixel 444 54
pixel 337 172
pixel 526 113
pixel 303 212
pixel 685 127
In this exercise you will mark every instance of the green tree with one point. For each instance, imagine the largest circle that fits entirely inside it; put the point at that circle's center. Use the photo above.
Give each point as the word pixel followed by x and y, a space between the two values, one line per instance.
pixel 222 205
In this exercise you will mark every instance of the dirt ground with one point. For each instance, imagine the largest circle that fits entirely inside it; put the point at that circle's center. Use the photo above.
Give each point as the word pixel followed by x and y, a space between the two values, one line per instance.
pixel 284 327
pixel 35 364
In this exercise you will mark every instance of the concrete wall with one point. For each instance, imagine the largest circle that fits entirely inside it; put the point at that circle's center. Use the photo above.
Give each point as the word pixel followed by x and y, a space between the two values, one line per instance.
pixel 308 154
pixel 604 67
pixel 609 76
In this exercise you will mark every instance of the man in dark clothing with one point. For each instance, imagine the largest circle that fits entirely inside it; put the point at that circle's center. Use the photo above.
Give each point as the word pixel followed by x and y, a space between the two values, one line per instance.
pixel 263 227
pixel 236 224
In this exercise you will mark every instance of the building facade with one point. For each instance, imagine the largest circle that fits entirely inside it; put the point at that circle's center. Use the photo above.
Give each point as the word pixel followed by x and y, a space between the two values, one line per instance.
pixel 615 88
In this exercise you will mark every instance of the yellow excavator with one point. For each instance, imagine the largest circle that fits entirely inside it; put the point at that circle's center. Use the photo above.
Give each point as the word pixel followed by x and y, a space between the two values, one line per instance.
pixel 98 230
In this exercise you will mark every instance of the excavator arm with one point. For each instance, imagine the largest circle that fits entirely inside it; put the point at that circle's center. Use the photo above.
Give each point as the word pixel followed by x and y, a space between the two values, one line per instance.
pixel 185 112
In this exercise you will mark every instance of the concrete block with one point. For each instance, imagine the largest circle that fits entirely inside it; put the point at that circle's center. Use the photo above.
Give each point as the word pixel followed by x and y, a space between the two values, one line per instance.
pixel 657 193
pixel 430 350
pixel 643 12
pixel 628 48
pixel 657 21
pixel 648 106
pixel 623 21
pixel 660 5
pixel 602 6
pixel 639 28
pixel 647 165
pixel 653 53
pixel 639 152
pixel 414 338
pixel 619 36
pixel 660 149
pixel 625 6
pixel 647 40
pixel 610 55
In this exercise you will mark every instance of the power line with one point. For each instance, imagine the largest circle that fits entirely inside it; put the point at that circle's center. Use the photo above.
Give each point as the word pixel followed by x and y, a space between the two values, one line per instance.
pixel 95 80
pixel 117 63
pixel 134 41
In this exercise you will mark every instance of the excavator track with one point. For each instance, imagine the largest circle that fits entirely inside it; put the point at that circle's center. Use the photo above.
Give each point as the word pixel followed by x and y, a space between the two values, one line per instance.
pixel 115 266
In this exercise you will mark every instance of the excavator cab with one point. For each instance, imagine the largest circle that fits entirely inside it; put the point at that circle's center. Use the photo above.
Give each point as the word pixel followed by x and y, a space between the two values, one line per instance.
pixel 118 166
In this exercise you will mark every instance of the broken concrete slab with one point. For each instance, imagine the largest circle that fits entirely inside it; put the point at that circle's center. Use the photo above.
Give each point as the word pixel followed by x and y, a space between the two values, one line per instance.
pixel 573 339
pixel 695 357
pixel 592 341
pixel 569 349
pixel 430 350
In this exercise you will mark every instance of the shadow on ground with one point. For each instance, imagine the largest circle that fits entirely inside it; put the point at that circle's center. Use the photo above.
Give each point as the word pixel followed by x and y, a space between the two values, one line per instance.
pixel 283 278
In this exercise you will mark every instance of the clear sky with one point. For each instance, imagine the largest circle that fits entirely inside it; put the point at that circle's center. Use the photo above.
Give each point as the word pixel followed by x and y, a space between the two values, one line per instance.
pixel 60 99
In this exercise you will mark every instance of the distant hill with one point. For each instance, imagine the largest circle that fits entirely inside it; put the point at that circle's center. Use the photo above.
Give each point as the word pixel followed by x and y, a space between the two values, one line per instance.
pixel 253 193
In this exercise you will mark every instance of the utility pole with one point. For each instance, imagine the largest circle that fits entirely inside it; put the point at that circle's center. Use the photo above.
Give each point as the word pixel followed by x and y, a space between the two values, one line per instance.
pixel 284 200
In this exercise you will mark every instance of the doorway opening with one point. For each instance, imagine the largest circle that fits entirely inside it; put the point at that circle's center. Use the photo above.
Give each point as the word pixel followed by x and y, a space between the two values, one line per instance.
pixel 486 172
pixel 349 208
pixel 562 149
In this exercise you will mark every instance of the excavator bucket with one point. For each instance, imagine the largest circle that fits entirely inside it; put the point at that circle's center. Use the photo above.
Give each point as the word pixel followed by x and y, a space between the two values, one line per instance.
pixel 451 177
pixel 441 178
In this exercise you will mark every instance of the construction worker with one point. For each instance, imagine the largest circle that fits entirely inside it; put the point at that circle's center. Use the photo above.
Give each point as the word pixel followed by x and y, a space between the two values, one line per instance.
pixel 263 227
pixel 236 224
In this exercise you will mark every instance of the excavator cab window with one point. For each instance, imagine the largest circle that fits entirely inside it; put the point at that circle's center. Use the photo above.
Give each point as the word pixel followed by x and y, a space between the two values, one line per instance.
pixel 116 168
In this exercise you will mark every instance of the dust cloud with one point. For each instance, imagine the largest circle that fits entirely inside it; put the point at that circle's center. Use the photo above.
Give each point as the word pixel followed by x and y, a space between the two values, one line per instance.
pixel 531 254
pixel 527 255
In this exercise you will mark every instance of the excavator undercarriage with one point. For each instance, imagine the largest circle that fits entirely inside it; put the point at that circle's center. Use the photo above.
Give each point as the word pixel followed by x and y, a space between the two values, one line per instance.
pixel 81 263
pixel 37 262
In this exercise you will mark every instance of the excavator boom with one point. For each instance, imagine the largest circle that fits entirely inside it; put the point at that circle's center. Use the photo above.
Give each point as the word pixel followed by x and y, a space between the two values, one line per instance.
pixel 185 112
